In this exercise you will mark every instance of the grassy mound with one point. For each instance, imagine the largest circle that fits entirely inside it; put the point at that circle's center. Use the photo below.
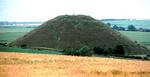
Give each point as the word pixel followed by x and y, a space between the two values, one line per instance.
pixel 76 31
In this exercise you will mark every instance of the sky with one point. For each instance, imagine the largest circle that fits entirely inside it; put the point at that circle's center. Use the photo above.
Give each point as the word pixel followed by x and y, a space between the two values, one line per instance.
pixel 43 10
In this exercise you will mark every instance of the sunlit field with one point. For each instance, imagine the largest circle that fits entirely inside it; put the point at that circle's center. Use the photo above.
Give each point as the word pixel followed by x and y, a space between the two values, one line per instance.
pixel 41 65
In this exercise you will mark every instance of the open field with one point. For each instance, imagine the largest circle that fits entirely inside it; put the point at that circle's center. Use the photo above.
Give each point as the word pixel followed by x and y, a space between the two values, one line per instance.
pixel 41 65
pixel 140 37
pixel 10 34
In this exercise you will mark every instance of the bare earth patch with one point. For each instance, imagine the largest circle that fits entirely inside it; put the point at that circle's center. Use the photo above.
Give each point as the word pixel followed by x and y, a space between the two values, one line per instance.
pixel 42 65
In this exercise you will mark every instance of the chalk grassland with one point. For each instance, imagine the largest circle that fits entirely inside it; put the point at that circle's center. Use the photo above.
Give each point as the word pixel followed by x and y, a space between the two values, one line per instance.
pixel 42 65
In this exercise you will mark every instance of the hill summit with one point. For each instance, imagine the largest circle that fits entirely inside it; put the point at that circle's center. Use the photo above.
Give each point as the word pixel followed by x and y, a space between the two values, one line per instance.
pixel 75 31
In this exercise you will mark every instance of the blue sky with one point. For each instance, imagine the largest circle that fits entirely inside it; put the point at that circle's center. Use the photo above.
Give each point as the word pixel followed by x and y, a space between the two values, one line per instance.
pixel 43 10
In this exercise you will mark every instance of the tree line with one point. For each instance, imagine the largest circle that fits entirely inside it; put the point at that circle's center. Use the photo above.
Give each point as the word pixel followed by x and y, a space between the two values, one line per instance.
pixel 129 28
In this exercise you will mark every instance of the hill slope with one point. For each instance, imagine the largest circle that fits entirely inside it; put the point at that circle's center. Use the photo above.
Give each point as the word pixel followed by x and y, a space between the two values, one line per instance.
pixel 75 31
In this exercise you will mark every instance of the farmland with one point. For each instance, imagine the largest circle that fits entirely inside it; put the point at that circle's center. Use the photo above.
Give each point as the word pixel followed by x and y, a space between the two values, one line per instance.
pixel 10 34
pixel 141 37
pixel 42 65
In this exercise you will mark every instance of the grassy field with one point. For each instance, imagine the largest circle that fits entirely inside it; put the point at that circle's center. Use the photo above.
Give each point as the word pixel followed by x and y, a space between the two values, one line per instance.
pixel 140 37
pixel 10 34
pixel 20 50
pixel 41 65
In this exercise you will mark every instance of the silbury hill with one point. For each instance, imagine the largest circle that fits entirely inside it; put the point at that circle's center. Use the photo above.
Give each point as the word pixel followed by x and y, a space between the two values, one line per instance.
pixel 76 31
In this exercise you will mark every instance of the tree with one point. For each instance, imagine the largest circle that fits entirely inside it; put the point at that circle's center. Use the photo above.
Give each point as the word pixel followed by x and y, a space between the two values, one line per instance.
pixel 84 51
pixel 23 46
pixel 115 27
pixel 71 51
pixel 103 51
pixel 98 50
pixel 122 28
pixel 131 28
pixel 3 44
pixel 108 24
pixel 119 50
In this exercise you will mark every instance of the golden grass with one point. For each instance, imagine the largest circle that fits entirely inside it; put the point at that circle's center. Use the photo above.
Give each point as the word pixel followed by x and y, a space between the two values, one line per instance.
pixel 41 65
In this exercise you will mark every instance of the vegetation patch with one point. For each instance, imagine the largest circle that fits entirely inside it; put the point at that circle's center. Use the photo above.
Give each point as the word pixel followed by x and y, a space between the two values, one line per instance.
pixel 84 51
pixel 21 50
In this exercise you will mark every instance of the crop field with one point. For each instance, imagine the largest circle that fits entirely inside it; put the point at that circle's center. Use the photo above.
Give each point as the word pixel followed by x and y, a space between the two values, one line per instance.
pixel 42 65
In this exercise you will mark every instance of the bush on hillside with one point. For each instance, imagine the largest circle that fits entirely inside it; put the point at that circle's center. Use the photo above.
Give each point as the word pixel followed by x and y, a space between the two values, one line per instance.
pixel 3 44
pixel 119 50
pixel 84 51
pixel 103 51
pixel 71 51
pixel 23 46
pixel 98 50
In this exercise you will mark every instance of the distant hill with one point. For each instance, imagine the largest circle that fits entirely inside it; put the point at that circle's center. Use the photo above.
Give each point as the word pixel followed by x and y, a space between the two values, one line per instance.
pixel 75 31
pixel 115 19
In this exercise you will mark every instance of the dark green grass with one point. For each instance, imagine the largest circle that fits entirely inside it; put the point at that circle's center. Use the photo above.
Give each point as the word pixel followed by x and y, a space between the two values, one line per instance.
pixel 20 50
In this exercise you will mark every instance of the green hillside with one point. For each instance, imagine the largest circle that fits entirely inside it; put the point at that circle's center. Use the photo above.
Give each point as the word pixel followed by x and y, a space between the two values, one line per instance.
pixel 76 31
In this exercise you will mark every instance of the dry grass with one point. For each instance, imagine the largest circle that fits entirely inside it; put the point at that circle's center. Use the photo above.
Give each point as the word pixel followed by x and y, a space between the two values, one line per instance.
pixel 40 65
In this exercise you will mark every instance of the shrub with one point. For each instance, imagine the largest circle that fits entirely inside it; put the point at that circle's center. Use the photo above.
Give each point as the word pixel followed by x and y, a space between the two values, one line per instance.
pixel 98 50
pixel 84 51
pixel 107 52
pixel 131 28
pixel 119 50
pixel 23 46
pixel 115 27
pixel 71 51
pixel 103 51
pixel 10 45
pixel 3 44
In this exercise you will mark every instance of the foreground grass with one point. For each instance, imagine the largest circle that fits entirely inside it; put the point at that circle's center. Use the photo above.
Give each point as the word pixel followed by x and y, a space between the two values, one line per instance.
pixel 20 50
pixel 42 65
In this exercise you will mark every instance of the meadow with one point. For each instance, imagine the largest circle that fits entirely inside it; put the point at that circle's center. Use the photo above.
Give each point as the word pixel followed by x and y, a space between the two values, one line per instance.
pixel 44 65
pixel 10 34
pixel 141 37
